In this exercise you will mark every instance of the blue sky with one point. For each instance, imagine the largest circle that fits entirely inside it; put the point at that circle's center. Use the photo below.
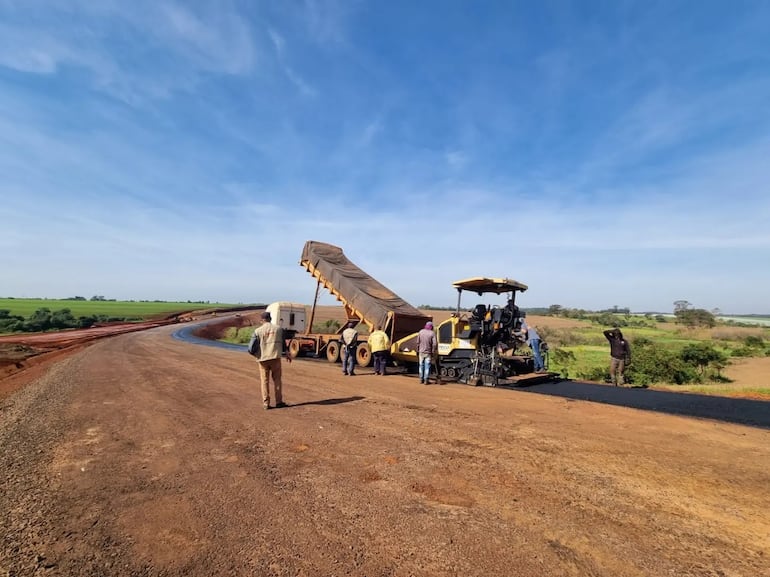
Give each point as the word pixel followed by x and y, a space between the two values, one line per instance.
pixel 604 153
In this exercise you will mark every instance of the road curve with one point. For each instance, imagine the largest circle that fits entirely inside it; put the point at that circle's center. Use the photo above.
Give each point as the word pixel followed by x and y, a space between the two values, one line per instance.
pixel 143 455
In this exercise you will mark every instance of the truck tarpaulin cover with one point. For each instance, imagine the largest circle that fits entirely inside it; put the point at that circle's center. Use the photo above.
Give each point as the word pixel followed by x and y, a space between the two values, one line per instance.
pixel 361 292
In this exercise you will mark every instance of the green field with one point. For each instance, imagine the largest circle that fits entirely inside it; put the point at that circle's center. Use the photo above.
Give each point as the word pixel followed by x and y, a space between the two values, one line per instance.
pixel 121 309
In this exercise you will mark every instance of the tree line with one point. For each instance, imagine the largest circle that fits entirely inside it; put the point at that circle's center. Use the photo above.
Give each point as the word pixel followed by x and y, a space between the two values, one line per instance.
pixel 684 314
pixel 44 319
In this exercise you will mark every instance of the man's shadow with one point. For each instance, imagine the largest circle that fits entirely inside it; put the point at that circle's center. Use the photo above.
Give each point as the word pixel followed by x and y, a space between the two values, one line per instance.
pixel 330 401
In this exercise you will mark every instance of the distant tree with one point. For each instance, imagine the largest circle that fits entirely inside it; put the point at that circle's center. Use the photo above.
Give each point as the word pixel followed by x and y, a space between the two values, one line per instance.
pixel 98 298
pixel 695 318
pixel 555 310
pixel 681 305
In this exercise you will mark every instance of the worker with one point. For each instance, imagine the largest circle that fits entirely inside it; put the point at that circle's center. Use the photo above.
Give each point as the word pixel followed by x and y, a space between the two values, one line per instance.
pixel 620 355
pixel 271 347
pixel 379 343
pixel 426 349
pixel 349 344
pixel 530 334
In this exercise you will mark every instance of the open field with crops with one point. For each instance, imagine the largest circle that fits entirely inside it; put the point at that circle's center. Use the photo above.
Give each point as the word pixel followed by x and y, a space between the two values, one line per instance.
pixel 121 309
pixel 751 319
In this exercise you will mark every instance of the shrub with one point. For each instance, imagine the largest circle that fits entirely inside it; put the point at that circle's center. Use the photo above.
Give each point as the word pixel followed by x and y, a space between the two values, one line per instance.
pixel 651 364
pixel 609 320
pixel 62 319
pixel 595 374
pixel 563 357
pixel 87 322
pixel 754 341
pixel 329 327
pixel 230 334
pixel 701 355
pixel 743 351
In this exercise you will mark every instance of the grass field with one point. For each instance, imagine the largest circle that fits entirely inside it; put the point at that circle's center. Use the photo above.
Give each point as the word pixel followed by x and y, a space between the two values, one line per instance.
pixel 121 309
pixel 750 320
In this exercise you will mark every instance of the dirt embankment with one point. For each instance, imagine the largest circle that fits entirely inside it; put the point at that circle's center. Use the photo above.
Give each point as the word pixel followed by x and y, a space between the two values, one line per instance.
pixel 23 352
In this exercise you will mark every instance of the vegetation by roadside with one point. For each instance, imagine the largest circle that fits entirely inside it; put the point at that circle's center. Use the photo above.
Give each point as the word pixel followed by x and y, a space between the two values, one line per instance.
pixel 664 354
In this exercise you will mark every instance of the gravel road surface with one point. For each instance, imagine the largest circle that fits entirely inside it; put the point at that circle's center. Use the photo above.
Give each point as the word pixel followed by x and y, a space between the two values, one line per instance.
pixel 146 455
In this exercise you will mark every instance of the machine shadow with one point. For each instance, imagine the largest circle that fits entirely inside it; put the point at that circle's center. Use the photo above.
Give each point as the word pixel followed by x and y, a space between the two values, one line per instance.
pixel 729 410
pixel 337 401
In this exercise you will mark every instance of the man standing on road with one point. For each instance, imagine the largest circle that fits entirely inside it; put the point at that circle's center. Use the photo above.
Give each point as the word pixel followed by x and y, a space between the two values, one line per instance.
pixel 620 355
pixel 349 344
pixel 426 348
pixel 272 346
pixel 533 340
pixel 379 343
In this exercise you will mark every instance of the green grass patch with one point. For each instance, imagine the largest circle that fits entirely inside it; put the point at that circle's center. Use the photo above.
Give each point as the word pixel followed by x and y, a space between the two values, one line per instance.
pixel 579 361
pixel 122 309
pixel 719 390
pixel 238 336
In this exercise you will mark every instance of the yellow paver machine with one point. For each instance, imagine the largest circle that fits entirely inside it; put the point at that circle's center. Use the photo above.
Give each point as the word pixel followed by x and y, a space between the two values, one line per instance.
pixel 481 345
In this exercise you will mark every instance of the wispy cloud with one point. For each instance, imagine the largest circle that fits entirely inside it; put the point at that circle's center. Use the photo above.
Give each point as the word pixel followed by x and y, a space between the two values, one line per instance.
pixel 164 145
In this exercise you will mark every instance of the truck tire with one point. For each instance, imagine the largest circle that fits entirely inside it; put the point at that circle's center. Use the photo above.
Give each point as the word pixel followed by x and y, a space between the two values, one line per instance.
pixel 363 355
pixel 294 348
pixel 333 352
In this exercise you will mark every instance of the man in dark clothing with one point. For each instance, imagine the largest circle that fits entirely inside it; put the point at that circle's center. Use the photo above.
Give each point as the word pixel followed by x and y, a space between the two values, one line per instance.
pixel 426 350
pixel 620 355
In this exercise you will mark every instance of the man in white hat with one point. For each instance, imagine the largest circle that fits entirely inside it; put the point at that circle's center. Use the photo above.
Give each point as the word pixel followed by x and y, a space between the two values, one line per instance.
pixel 272 346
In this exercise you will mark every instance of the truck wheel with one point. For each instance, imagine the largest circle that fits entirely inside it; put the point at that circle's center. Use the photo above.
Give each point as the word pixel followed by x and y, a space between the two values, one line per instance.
pixel 363 355
pixel 294 348
pixel 333 352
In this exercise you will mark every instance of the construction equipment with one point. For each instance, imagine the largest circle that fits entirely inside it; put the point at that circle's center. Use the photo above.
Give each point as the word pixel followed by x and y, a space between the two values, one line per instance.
pixel 482 346
pixel 364 299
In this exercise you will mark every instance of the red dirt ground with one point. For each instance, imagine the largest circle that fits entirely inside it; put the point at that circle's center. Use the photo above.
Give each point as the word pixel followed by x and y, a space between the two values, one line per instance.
pixel 143 455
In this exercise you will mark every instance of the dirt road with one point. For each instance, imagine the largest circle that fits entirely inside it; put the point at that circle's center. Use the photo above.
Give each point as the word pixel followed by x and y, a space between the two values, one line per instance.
pixel 145 455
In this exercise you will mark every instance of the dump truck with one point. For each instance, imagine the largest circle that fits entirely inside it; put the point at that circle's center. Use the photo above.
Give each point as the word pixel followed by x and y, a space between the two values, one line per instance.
pixel 481 345
pixel 365 301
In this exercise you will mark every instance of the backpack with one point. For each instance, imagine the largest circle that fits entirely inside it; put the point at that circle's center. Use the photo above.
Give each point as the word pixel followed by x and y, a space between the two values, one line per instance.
pixel 254 348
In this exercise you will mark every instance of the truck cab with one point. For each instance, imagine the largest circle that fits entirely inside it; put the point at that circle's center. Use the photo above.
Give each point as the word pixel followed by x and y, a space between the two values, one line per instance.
pixel 289 316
